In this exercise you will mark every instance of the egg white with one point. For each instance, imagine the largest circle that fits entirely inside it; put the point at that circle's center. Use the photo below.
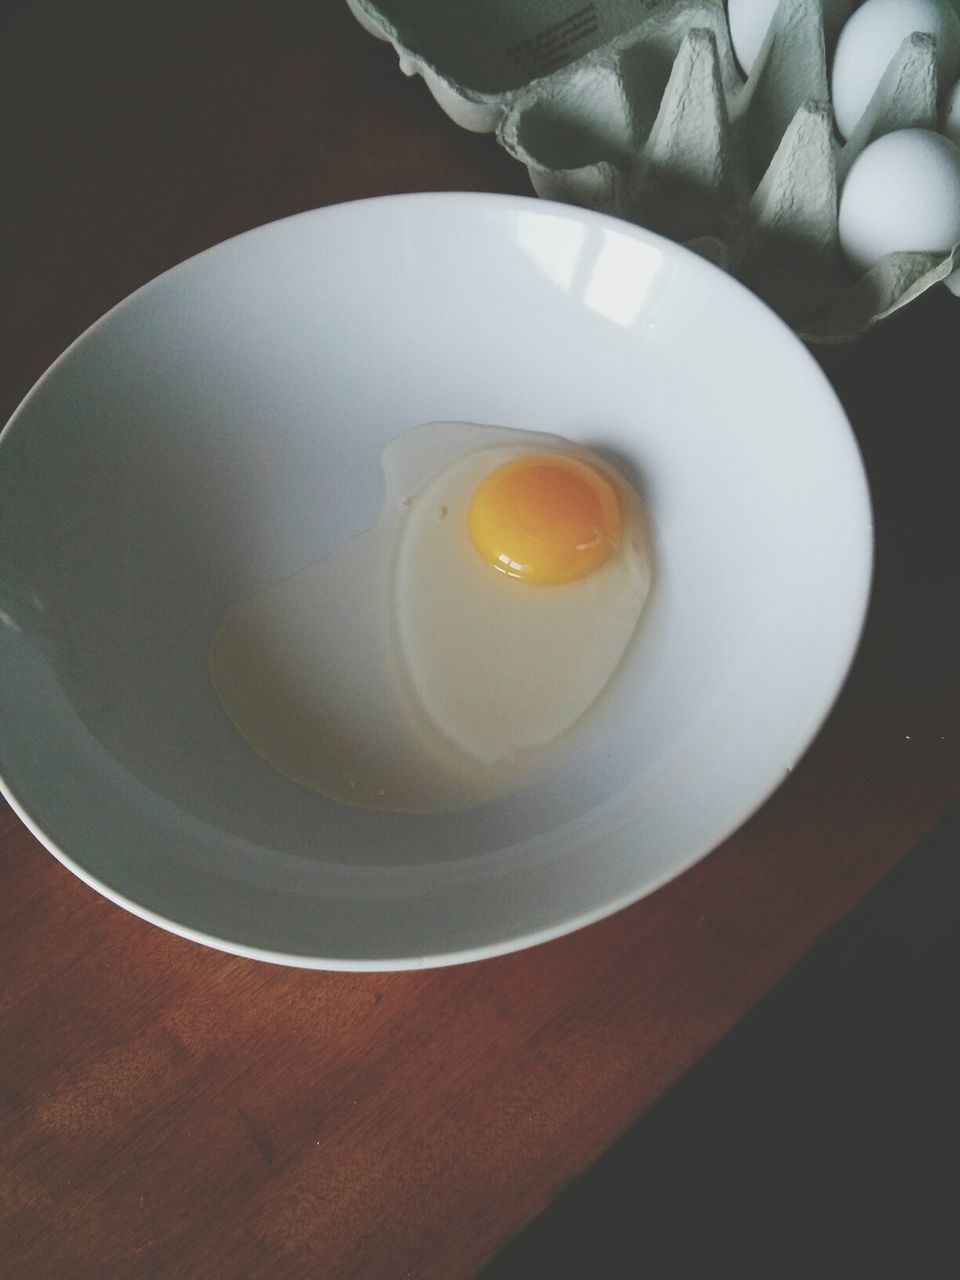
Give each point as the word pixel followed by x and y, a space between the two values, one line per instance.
pixel 402 672
pixel 504 666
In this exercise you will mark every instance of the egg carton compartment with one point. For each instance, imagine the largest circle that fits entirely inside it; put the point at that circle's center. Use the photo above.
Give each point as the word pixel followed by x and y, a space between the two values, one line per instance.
pixel 638 108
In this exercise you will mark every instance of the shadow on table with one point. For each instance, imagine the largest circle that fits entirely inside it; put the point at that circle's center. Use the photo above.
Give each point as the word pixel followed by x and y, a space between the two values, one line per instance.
pixel 819 1139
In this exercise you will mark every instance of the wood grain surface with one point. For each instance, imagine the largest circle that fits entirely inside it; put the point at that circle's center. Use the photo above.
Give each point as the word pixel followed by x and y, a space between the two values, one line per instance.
pixel 170 1112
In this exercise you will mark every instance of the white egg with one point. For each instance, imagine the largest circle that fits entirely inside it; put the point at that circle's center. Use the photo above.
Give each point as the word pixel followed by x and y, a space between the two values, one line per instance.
pixel 871 38
pixel 951 114
pixel 402 671
pixel 749 21
pixel 902 194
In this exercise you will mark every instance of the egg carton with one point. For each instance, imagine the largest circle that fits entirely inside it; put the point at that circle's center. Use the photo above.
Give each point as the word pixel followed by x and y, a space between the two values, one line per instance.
pixel 638 108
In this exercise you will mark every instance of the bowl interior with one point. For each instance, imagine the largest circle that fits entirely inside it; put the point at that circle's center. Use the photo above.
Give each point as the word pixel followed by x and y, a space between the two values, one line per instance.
pixel 224 425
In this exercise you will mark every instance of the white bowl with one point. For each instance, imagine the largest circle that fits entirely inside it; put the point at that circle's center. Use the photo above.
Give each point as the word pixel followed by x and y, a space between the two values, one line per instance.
pixel 223 426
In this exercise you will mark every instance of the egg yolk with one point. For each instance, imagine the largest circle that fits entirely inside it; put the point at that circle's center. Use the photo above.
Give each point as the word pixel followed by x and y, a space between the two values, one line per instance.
pixel 545 518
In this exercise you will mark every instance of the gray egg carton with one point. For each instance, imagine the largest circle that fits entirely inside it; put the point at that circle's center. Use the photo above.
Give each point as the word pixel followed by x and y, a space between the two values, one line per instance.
pixel 637 108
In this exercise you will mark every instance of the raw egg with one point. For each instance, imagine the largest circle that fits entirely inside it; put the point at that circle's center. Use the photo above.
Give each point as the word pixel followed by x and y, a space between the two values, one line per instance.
pixel 451 653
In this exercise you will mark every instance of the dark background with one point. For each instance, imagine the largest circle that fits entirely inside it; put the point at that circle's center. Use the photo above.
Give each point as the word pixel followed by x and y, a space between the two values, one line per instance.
pixel 821 1138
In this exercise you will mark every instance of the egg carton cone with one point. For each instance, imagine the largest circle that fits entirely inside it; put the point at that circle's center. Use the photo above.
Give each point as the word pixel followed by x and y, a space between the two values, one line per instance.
pixel 638 108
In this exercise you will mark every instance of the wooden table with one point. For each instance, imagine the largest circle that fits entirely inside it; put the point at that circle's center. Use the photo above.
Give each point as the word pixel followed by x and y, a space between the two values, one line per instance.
pixel 168 1111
